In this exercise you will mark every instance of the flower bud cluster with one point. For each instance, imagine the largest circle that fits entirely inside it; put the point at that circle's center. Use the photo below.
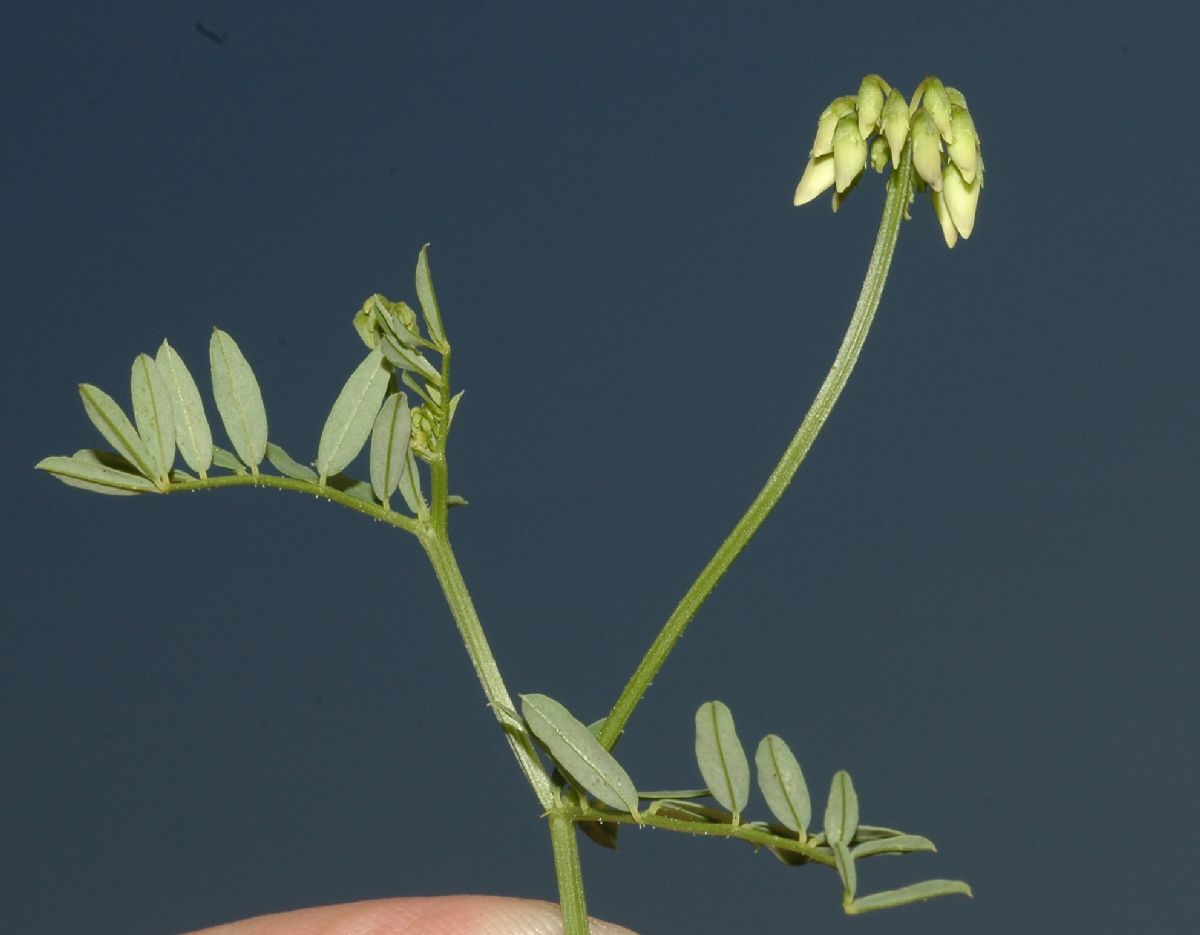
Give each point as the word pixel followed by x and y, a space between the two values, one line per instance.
pixel 940 137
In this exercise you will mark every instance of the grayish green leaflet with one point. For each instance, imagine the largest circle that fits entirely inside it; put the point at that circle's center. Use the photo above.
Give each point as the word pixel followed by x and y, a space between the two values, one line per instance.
pixel 408 359
pixel 389 446
pixel 899 844
pixel 841 810
pixel 782 784
pixel 153 414
pixel 288 466
pixel 428 299
pixel 116 428
pixel 393 320
pixel 192 433
pixel 917 892
pixel 410 485
pixel 721 758
pixel 239 400
pixel 675 793
pixel 349 423
pixel 228 460
pixel 579 753
pixel 87 470
pixel 845 868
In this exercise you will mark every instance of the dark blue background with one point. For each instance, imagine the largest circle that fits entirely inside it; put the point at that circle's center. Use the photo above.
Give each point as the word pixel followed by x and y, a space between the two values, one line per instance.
pixel 979 596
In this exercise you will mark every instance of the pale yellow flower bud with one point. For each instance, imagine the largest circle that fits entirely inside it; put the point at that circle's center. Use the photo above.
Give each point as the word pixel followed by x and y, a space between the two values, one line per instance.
pixel 827 123
pixel 949 231
pixel 926 148
pixel 879 154
pixel 894 122
pixel 849 152
pixel 818 176
pixel 870 103
pixel 964 151
pixel 937 102
pixel 960 198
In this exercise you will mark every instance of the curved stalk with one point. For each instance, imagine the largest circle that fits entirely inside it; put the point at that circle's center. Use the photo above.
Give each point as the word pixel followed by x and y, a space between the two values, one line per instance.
pixel 899 187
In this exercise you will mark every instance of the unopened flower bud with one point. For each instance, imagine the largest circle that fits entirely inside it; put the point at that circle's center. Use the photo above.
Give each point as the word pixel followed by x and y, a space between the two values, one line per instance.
pixel 894 122
pixel 849 152
pixel 827 123
pixel 961 198
pixel 964 151
pixel 926 148
pixel 870 103
pixel 937 102
pixel 879 154
pixel 818 176
pixel 949 231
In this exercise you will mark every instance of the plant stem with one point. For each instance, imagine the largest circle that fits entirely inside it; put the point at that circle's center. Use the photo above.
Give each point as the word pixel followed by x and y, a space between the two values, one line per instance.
pixel 562 819
pixel 441 556
pixel 569 873
pixel 899 187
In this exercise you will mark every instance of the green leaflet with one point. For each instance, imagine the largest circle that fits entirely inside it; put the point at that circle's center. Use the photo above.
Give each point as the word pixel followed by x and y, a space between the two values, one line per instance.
pixel 192 433
pixel 116 428
pixel 408 359
pixel 578 753
pixel 153 415
pixel 927 889
pixel 93 470
pixel 841 810
pixel 389 446
pixel 675 793
pixel 721 758
pixel 288 466
pixel 428 300
pixel 348 425
pixel 410 485
pixel 239 400
pixel 228 460
pixel 844 860
pixel 896 844
pixel 782 784
pixel 352 487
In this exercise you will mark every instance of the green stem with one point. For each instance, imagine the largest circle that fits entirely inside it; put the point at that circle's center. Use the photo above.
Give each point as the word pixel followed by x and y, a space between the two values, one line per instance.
pixel 899 186
pixel 569 873
pixel 441 556
pixel 562 820
pixel 374 510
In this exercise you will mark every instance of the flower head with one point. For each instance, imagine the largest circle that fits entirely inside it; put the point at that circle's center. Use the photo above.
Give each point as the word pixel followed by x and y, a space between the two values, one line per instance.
pixel 877 126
